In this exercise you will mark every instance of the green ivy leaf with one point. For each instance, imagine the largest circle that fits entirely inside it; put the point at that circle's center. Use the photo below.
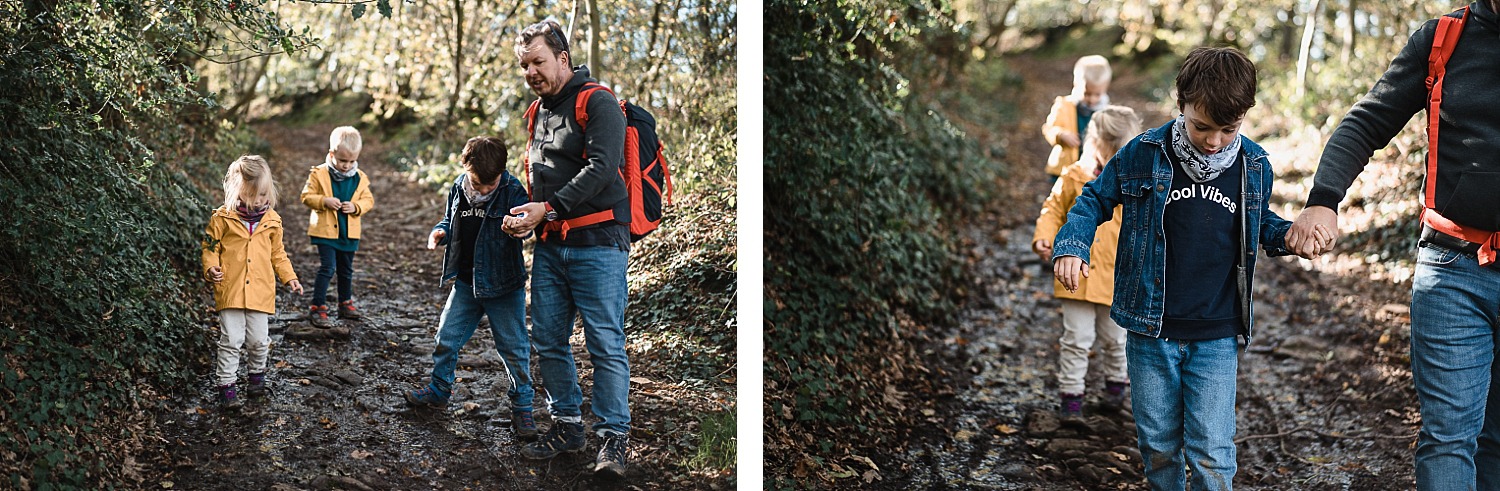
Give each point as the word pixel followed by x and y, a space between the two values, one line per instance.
pixel 385 7
pixel 359 10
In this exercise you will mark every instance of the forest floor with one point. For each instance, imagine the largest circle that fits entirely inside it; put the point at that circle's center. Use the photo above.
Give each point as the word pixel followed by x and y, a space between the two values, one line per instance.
pixel 335 417
pixel 1325 398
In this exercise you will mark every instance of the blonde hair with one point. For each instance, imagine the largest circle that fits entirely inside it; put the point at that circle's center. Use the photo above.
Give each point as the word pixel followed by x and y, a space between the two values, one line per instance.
pixel 251 170
pixel 345 137
pixel 1111 128
pixel 1090 69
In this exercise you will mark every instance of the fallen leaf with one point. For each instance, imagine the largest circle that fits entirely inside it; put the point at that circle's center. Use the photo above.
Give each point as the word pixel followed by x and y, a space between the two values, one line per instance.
pixel 167 484
pixel 1006 430
pixel 360 454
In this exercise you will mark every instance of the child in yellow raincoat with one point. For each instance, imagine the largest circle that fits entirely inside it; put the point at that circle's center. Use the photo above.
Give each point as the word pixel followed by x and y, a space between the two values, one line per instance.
pixel 242 256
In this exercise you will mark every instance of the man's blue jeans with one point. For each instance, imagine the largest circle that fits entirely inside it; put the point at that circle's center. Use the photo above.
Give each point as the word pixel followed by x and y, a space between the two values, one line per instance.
pixel 1455 308
pixel 1182 393
pixel 588 282
pixel 334 260
pixel 507 323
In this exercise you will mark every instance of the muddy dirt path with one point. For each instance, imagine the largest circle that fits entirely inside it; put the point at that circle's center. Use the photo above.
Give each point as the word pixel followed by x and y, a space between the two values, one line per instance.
pixel 335 418
pixel 1324 397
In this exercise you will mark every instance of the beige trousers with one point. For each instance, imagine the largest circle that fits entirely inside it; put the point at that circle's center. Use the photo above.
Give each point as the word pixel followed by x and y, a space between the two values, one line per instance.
pixel 242 328
pixel 1084 323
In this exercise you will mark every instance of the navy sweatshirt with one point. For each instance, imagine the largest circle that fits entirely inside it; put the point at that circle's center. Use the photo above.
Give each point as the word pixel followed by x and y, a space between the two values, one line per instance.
pixel 1201 223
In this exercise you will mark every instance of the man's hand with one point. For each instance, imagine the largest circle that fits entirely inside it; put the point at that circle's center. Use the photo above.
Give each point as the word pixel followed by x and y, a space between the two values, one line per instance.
pixel 1042 248
pixel 1067 270
pixel 524 218
pixel 434 237
pixel 332 203
pixel 216 274
pixel 1314 233
pixel 296 286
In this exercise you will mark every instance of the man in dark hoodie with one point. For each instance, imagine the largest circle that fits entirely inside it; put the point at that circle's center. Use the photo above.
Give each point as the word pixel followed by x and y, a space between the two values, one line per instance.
pixel 577 268
pixel 1455 314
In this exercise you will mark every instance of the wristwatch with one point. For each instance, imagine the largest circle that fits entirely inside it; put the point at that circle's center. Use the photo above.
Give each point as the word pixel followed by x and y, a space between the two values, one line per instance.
pixel 551 215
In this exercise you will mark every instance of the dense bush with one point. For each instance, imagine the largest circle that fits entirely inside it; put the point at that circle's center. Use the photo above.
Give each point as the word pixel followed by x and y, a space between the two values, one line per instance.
pixel 863 185
pixel 97 312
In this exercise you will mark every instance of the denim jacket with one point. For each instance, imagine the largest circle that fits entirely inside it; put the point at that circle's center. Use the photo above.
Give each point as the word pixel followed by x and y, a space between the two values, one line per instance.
pixel 498 266
pixel 1139 177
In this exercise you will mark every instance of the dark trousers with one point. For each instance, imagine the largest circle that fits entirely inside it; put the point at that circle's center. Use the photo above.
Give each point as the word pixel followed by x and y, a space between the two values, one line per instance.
pixel 343 263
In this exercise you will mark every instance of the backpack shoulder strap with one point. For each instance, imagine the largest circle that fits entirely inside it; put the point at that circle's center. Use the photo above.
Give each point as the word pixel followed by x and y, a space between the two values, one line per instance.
pixel 1449 29
pixel 530 134
pixel 580 109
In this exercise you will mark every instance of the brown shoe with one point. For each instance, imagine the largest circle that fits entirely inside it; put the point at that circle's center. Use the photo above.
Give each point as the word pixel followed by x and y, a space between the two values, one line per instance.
pixel 347 311
pixel 319 316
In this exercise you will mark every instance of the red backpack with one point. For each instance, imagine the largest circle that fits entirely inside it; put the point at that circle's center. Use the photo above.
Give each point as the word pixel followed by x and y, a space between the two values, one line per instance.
pixel 1449 29
pixel 648 182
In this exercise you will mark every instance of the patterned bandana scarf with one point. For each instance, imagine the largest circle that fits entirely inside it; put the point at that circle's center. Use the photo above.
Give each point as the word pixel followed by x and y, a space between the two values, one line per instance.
pixel 475 199
pixel 251 216
pixel 1199 167
pixel 333 172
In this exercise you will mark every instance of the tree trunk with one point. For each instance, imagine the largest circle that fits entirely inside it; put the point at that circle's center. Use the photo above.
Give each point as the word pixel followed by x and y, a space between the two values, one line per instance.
pixel 596 65
pixel 458 57
pixel 1309 27
pixel 1346 52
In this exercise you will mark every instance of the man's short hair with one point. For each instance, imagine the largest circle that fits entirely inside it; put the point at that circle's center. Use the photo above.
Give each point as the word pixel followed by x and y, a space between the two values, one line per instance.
pixel 551 33
pixel 484 157
pixel 1221 81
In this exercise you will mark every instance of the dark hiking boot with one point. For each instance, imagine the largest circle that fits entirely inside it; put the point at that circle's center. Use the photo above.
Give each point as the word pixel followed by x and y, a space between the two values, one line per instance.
pixel 229 398
pixel 427 397
pixel 257 385
pixel 562 437
pixel 1114 393
pixel 319 316
pixel 347 311
pixel 523 424
pixel 611 460
pixel 1072 406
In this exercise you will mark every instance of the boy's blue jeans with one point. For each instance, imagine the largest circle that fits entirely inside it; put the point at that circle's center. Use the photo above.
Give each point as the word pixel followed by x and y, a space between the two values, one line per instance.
pixel 1182 394
pixel 587 281
pixel 507 323
pixel 1455 311
pixel 334 260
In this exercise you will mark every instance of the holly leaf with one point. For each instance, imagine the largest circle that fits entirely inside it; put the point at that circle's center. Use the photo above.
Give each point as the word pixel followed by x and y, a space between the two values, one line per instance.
pixel 384 6
pixel 359 10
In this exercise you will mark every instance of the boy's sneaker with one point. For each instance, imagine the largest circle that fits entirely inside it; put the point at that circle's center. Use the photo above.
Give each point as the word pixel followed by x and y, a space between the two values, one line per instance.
pixel 563 437
pixel 523 424
pixel 257 385
pixel 1072 405
pixel 347 311
pixel 229 398
pixel 427 397
pixel 319 316
pixel 1114 393
pixel 611 461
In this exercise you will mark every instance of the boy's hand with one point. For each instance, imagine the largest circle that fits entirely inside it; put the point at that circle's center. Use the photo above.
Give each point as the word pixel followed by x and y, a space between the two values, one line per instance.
pixel 347 207
pixel 432 240
pixel 216 274
pixel 1042 248
pixel 1067 268
pixel 296 286
pixel 1068 138
pixel 332 203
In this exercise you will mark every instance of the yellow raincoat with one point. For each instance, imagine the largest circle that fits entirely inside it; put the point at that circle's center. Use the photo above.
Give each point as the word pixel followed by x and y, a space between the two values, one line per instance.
pixel 1099 287
pixel 251 262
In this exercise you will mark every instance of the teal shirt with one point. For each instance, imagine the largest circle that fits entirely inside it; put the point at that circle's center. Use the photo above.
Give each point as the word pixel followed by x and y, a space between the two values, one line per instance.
pixel 343 191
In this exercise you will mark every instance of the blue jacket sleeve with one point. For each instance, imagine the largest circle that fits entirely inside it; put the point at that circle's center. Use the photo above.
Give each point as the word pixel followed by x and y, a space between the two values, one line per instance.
pixel 446 224
pixel 1094 206
pixel 1273 228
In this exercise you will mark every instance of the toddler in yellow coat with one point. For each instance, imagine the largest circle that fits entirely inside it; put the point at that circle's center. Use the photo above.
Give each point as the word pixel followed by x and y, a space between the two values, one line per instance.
pixel 1067 124
pixel 242 256
pixel 338 193
pixel 1086 311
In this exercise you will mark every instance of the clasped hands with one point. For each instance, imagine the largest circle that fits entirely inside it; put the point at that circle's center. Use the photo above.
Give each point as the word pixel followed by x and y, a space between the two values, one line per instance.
pixel 1313 234
pixel 347 207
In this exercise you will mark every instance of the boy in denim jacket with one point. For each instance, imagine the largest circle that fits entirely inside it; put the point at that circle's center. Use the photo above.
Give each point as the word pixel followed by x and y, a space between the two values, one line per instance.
pixel 1193 193
pixel 490 279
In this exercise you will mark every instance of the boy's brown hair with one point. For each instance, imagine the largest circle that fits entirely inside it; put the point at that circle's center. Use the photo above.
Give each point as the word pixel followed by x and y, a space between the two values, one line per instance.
pixel 484 157
pixel 1221 81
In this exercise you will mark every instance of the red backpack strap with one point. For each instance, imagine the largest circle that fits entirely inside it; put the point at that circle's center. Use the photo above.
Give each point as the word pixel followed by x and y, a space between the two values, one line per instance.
pixel 580 109
pixel 530 134
pixel 1449 29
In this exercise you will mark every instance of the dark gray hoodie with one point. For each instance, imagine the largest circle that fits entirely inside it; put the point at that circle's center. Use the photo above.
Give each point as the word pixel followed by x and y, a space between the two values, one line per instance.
pixel 1469 128
pixel 577 171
